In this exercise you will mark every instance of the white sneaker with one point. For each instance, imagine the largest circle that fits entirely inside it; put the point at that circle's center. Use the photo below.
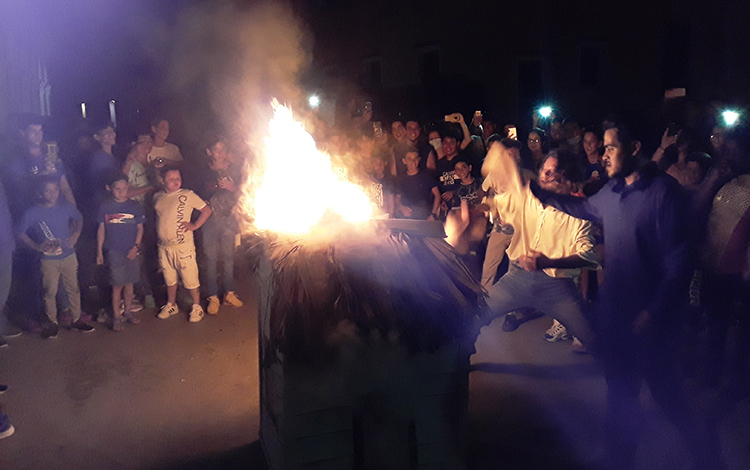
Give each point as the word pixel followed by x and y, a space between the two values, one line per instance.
pixel 167 311
pixel 196 314
pixel 557 332
pixel 230 298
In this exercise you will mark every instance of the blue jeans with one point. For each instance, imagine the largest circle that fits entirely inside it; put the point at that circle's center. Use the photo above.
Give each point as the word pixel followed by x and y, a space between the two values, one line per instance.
pixel 218 245
pixel 556 297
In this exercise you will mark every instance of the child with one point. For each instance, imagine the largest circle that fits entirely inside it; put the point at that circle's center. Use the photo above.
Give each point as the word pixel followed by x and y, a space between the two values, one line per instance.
pixel 120 232
pixel 52 228
pixel 222 183
pixel 174 206
pixel 417 191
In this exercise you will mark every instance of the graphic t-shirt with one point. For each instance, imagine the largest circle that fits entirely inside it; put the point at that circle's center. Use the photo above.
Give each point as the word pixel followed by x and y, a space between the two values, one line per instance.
pixel 138 178
pixel 379 188
pixel 120 221
pixel 43 223
pixel 445 171
pixel 169 152
pixel 464 192
pixel 416 193
pixel 172 209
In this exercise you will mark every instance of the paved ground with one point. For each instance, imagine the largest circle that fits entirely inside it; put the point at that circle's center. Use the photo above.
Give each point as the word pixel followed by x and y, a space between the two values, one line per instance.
pixel 169 394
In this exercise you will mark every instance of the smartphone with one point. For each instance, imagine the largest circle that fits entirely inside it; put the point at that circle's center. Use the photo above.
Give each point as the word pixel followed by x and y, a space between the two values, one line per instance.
pixel 377 128
pixel 53 152
pixel 478 113
pixel 512 133
pixel 672 129
pixel 368 106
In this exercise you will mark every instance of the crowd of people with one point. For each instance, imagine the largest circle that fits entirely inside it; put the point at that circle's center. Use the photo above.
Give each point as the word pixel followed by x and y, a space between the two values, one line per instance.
pixel 623 246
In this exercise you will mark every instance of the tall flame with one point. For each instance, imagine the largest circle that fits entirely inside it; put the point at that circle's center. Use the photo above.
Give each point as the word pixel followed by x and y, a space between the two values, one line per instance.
pixel 299 186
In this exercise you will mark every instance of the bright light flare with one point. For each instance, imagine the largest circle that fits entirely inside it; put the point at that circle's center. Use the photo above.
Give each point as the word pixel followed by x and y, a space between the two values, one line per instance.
pixel 313 101
pixel 545 111
pixel 730 117
pixel 299 186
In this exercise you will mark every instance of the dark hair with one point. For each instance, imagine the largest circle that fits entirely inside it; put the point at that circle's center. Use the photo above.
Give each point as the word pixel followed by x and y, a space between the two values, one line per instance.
pixel 494 138
pixel 542 137
pixel 213 139
pixel 568 164
pixel 155 121
pixel 624 136
pixel 594 131
pixel 102 125
pixel 451 130
pixel 166 169
pixel 43 180
pixel 29 119
pixel 115 177
pixel 511 143
pixel 701 158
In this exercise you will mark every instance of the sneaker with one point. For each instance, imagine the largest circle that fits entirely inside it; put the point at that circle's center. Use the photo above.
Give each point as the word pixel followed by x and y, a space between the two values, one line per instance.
pixel 11 331
pixel 135 306
pixel 149 301
pixel 511 322
pixel 102 316
pixel 117 324
pixel 213 305
pixel 81 326
pixel 230 298
pixel 196 314
pixel 3 388
pixel 557 332
pixel 578 347
pixel 6 429
pixel 50 330
pixel 131 318
pixel 167 311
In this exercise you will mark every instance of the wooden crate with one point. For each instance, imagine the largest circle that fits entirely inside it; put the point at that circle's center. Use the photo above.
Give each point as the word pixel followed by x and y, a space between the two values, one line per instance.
pixel 375 407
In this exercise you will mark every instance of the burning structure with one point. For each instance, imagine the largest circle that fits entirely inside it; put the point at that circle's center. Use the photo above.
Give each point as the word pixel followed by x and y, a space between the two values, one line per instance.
pixel 363 325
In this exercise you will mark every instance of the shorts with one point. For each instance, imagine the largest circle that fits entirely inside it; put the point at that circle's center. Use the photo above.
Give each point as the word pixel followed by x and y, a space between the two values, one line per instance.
pixel 179 260
pixel 122 270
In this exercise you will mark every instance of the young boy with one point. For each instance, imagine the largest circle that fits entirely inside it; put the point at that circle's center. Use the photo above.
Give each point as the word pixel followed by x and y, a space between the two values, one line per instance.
pixel 417 192
pixel 52 228
pixel 174 206
pixel 120 232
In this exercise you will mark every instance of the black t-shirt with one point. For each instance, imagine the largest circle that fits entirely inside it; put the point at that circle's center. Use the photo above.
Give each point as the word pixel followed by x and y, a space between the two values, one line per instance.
pixel 400 150
pixel 416 193
pixel 445 171
pixel 468 192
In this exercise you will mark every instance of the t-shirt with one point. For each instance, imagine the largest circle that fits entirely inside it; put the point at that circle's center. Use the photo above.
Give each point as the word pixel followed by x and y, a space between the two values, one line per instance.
pixel 102 166
pixel 169 152
pixel 120 221
pixel 379 188
pixel 465 192
pixel 171 210
pixel 416 193
pixel 138 178
pixel 19 177
pixel 445 171
pixel 42 223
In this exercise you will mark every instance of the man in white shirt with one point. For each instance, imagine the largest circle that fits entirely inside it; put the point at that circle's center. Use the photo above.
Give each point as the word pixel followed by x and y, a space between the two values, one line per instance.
pixel 163 153
pixel 547 251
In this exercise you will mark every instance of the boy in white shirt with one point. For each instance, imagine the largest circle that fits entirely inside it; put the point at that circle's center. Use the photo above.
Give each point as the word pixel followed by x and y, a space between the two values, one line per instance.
pixel 163 153
pixel 174 207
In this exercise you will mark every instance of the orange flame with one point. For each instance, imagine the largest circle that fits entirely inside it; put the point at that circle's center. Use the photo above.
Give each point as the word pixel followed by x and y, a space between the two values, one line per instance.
pixel 298 186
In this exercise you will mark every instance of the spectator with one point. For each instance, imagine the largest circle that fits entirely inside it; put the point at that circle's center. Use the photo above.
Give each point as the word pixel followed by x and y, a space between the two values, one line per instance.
pixel 437 143
pixel 221 187
pixel 557 133
pixel 382 186
pixel 119 236
pixel 465 224
pixel 646 241
pixel 426 152
pixel 417 195
pixel 163 152
pixel 537 145
pixel 103 163
pixel 446 166
pixel 594 176
pixel 135 169
pixel 52 228
pixel 174 206
pixel 573 135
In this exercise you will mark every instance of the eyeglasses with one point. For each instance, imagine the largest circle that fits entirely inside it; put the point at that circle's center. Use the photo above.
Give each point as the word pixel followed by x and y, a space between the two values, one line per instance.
pixel 534 141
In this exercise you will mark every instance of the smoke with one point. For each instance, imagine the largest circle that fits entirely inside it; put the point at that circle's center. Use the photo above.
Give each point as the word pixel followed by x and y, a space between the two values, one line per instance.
pixel 230 60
